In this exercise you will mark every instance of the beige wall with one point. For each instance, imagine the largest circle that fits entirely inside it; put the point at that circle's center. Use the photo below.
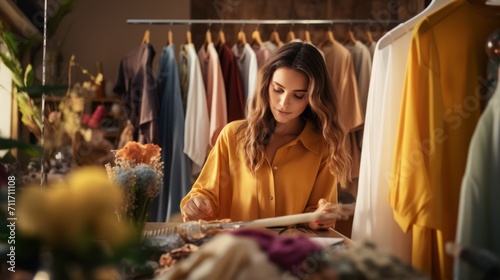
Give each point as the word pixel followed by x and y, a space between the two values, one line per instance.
pixel 97 30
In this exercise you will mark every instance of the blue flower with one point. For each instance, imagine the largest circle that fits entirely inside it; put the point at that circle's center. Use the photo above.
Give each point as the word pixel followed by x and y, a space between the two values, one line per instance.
pixel 124 177
pixel 145 176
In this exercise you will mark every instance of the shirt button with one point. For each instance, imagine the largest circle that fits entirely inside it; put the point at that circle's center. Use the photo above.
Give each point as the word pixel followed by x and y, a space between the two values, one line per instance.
pixel 275 168
pixel 270 197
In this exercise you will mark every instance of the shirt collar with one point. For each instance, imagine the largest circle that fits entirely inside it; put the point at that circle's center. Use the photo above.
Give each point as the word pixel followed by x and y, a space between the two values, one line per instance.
pixel 311 138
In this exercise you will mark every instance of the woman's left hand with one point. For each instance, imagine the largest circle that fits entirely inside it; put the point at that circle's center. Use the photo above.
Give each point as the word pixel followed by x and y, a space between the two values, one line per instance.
pixel 332 211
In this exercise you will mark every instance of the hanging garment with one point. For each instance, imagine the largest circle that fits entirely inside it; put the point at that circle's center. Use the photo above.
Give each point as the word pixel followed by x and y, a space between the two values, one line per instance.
pixel 439 111
pixel 478 222
pixel 341 71
pixel 262 54
pixel 373 218
pixel 136 85
pixel 247 62
pixel 271 47
pixel 362 69
pixel 215 91
pixel 184 76
pixel 232 82
pixel 196 133
pixel 371 47
pixel 176 171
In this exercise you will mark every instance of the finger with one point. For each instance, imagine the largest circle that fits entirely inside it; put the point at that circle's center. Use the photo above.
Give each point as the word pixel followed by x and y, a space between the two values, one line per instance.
pixel 190 213
pixel 322 201
pixel 203 204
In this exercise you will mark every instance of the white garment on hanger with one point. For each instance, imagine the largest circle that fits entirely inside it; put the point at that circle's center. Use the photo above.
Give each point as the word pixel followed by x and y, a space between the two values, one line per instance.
pixel 215 90
pixel 196 133
pixel 373 219
pixel 408 25
pixel 247 62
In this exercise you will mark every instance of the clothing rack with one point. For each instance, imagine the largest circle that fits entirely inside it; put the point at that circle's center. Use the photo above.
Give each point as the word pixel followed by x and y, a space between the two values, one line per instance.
pixel 258 21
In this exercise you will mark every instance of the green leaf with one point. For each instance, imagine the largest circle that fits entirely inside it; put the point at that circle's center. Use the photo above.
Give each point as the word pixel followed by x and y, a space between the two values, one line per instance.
pixel 29 75
pixel 54 21
pixel 13 65
pixel 30 150
pixel 11 42
pixel 8 158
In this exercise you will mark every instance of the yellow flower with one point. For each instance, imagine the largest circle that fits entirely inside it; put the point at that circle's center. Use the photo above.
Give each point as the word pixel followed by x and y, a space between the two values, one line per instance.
pixel 80 208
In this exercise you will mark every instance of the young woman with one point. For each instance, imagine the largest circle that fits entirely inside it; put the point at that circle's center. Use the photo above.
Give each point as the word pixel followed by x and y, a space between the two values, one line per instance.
pixel 287 157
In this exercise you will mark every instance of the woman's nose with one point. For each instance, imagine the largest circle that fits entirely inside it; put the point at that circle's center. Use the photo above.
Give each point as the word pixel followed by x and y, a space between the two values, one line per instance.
pixel 284 100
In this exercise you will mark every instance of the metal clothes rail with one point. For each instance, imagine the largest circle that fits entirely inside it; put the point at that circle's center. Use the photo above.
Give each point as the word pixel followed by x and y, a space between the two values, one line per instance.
pixel 258 21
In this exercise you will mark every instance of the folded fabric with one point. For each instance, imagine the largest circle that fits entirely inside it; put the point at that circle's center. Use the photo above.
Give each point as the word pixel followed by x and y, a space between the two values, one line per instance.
pixel 225 257
pixel 286 251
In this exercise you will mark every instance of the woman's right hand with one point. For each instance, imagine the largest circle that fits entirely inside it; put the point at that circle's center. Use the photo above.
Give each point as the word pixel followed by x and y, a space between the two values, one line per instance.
pixel 196 208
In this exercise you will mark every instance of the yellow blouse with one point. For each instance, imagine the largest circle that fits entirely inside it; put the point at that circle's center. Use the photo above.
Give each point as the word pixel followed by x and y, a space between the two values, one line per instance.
pixel 293 183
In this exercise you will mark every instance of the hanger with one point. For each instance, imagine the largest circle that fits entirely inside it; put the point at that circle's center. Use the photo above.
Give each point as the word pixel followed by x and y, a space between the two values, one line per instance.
pixel 275 37
pixel 349 36
pixel 329 38
pixel 408 25
pixel 189 39
pixel 145 39
pixel 291 35
pixel 222 36
pixel 256 40
pixel 170 36
pixel 307 35
pixel 242 37
pixel 208 36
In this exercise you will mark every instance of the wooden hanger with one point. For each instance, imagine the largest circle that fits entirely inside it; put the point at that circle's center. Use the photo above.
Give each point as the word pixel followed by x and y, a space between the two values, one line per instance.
pixel 329 38
pixel 256 38
pixel 349 38
pixel 242 38
pixel 208 37
pixel 307 37
pixel 188 37
pixel 222 37
pixel 145 39
pixel 170 36
pixel 275 38
pixel 290 36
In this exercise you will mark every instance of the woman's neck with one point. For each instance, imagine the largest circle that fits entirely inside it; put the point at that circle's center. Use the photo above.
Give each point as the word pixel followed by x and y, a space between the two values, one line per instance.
pixel 294 127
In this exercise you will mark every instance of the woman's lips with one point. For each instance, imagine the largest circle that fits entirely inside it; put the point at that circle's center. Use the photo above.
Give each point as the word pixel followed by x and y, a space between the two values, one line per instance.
pixel 283 112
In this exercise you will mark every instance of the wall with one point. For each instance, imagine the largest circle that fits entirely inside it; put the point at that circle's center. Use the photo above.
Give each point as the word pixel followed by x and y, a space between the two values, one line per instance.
pixel 97 30
pixel 378 10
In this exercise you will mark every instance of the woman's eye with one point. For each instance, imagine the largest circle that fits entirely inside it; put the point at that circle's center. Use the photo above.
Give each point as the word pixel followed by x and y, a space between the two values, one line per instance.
pixel 278 90
pixel 299 96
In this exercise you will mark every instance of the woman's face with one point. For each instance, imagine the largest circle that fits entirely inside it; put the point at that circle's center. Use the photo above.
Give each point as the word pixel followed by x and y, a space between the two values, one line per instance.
pixel 288 94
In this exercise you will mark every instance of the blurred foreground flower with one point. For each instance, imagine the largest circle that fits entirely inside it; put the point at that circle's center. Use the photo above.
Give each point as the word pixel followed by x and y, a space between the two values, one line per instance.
pixel 75 221
pixel 139 173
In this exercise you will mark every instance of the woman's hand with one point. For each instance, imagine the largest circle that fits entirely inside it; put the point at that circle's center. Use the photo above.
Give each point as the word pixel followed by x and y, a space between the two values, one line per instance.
pixel 197 208
pixel 332 213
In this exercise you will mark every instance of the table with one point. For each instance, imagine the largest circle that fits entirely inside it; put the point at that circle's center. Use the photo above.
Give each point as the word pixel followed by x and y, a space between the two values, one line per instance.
pixel 290 231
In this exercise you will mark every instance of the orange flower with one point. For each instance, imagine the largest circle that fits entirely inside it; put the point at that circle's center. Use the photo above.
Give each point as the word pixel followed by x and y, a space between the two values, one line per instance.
pixel 150 151
pixel 134 151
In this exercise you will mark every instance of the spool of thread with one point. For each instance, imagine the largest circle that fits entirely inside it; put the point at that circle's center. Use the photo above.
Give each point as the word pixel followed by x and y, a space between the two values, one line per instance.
pixel 97 116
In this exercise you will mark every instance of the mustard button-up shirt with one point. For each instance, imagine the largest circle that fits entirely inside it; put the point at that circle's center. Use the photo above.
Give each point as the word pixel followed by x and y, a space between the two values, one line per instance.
pixel 292 183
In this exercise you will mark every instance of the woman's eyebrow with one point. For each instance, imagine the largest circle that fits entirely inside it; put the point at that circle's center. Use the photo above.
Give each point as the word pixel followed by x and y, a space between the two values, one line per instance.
pixel 297 90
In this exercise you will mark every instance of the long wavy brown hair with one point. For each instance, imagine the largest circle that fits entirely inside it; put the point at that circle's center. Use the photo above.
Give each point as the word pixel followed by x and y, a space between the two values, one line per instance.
pixel 321 110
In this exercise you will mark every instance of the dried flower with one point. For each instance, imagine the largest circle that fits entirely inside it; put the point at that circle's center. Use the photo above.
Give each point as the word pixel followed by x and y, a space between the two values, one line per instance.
pixel 139 173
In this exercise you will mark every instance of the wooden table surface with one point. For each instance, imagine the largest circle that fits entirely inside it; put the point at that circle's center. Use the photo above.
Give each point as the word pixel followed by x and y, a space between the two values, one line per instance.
pixel 289 231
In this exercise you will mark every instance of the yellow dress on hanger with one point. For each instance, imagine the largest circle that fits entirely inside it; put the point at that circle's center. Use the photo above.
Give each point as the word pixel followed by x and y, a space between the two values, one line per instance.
pixel 439 112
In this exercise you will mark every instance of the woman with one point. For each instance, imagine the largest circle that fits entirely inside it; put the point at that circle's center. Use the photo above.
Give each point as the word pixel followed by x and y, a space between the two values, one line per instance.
pixel 287 157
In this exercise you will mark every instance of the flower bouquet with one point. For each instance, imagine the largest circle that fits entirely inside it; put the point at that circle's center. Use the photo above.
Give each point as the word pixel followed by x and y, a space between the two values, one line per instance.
pixel 138 171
